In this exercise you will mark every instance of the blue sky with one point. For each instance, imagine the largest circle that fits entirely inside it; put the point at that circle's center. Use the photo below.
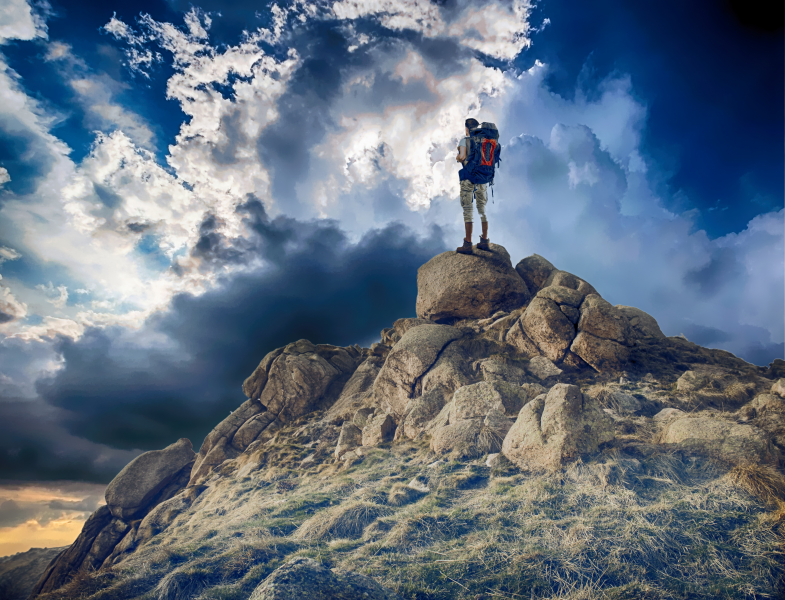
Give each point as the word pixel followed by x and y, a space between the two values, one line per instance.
pixel 185 187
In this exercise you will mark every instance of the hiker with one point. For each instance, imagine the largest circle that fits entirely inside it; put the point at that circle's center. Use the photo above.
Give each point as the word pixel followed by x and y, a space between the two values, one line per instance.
pixel 478 152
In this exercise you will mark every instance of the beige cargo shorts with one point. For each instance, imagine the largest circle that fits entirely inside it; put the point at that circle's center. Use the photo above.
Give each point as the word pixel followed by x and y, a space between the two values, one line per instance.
pixel 479 189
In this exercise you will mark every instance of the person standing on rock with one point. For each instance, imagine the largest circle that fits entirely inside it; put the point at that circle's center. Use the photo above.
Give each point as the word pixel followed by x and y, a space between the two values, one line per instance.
pixel 478 152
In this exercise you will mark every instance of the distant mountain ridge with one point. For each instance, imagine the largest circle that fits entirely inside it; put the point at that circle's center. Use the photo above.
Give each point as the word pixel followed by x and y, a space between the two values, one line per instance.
pixel 511 384
pixel 19 572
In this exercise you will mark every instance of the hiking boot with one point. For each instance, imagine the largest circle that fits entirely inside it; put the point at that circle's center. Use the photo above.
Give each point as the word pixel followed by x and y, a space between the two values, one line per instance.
pixel 465 249
pixel 483 245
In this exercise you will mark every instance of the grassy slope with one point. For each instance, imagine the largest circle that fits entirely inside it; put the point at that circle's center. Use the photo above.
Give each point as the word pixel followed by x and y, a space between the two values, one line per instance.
pixel 638 520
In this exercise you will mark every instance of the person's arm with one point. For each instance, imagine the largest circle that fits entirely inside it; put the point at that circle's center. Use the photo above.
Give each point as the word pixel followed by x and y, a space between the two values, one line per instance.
pixel 461 154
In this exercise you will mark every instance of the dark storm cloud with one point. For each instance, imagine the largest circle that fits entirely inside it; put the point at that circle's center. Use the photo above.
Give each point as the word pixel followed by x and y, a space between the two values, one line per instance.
pixel 706 336
pixel 12 513
pixel 759 353
pixel 35 446
pixel 128 389
pixel 88 504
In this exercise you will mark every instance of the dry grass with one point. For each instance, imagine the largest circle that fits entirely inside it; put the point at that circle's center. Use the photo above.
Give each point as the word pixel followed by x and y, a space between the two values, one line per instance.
pixel 347 520
pixel 633 522
pixel 183 584
pixel 761 481
pixel 401 494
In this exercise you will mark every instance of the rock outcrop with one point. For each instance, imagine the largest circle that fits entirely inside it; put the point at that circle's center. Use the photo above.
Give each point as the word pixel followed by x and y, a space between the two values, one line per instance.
pixel 407 362
pixel 726 440
pixel 556 428
pixel 502 370
pixel 454 286
pixel 130 493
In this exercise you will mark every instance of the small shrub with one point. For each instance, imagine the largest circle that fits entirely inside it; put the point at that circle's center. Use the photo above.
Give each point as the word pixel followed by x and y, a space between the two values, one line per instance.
pixel 347 520
pixel 761 481
pixel 183 584
pixel 401 494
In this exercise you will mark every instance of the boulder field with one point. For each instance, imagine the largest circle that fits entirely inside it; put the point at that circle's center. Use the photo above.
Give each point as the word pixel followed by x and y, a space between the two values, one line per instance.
pixel 527 365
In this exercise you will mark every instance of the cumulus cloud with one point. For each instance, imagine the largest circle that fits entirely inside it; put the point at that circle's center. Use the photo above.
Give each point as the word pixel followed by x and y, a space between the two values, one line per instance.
pixel 18 21
pixel 10 308
pixel 57 296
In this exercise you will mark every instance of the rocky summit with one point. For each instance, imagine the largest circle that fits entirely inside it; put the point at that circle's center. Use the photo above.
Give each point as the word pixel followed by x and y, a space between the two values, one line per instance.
pixel 521 437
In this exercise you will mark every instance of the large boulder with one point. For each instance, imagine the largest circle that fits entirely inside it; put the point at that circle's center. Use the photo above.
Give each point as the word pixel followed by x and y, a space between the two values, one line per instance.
pixel 254 384
pixel 409 359
pixel 603 320
pixel 130 493
pixel 470 438
pixel 357 391
pixel 474 286
pixel 306 578
pixel 534 270
pixel 297 381
pixel 601 354
pixel 643 324
pixel 478 399
pixel 548 327
pixel 556 428
pixel 734 442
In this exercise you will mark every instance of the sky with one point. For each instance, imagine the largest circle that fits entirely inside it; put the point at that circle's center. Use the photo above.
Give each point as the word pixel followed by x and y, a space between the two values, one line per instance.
pixel 185 186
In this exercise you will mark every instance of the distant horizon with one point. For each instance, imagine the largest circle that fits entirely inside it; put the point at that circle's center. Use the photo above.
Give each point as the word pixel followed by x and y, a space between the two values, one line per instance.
pixel 185 188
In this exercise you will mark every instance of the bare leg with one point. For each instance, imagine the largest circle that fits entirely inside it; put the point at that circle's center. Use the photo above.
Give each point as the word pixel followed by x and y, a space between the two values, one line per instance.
pixel 468 225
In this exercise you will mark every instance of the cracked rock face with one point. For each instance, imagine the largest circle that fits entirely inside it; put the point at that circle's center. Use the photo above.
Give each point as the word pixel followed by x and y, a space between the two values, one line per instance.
pixel 556 428
pixel 409 359
pixel 469 286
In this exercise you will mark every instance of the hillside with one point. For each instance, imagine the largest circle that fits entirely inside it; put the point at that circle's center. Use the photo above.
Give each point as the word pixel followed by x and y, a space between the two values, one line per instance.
pixel 521 437
pixel 20 572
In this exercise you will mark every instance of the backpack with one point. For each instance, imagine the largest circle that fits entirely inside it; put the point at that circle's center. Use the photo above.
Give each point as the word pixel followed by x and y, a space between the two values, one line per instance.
pixel 483 154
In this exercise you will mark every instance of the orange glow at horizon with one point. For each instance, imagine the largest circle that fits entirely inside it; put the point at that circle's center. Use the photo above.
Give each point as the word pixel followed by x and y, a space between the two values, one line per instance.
pixel 59 532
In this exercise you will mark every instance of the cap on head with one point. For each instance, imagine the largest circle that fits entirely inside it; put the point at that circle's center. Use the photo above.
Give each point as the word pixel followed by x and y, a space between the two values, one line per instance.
pixel 472 124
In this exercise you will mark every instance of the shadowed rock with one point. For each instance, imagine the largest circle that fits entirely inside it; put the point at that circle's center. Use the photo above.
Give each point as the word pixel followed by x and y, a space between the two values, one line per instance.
pixel 715 436
pixel 643 324
pixel 70 561
pixel 130 492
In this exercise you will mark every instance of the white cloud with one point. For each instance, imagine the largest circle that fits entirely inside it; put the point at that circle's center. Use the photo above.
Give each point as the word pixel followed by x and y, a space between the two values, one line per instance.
pixel 573 185
pixel 498 29
pixel 58 296
pixel 8 254
pixel 97 94
pixel 10 308
pixel 4 176
pixel 19 22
